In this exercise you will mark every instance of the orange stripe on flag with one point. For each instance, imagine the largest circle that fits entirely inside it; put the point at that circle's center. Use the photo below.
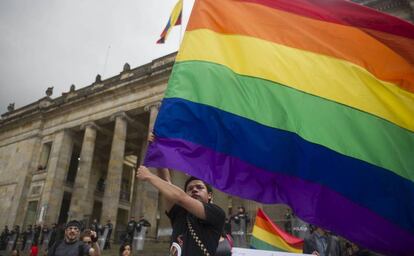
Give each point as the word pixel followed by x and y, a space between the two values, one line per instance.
pixel 336 40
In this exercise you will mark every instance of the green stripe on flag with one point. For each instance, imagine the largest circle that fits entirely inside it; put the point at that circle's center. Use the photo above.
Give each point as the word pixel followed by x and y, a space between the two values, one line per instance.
pixel 341 128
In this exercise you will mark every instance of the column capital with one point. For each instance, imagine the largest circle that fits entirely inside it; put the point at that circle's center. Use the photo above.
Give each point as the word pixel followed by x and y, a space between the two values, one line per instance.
pixel 66 131
pixel 152 105
pixel 120 114
pixel 92 125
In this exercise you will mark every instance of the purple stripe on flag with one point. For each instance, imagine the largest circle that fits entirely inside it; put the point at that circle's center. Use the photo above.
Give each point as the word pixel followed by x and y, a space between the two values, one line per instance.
pixel 312 202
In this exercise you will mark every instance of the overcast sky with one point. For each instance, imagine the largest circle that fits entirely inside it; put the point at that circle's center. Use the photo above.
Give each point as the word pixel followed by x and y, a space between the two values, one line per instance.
pixel 57 43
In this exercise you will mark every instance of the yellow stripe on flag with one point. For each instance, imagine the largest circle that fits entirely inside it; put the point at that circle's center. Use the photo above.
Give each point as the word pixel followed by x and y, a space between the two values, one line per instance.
pixel 334 79
pixel 273 240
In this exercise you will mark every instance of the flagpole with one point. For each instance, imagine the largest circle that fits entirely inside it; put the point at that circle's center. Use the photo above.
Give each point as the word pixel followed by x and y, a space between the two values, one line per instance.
pixel 181 27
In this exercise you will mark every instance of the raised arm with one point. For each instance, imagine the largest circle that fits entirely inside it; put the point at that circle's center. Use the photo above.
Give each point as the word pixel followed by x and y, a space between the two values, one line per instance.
pixel 172 193
pixel 94 250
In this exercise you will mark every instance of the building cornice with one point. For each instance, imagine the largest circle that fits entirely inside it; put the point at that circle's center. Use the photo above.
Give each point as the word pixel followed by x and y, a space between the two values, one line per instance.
pixel 154 70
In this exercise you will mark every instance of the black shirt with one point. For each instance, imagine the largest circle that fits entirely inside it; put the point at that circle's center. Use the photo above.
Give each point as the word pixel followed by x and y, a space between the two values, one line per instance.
pixel 208 230
pixel 63 248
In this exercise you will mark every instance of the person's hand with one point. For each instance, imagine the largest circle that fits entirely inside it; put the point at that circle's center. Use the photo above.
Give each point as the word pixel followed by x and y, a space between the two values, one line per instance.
pixel 143 173
pixel 94 237
pixel 315 253
pixel 151 137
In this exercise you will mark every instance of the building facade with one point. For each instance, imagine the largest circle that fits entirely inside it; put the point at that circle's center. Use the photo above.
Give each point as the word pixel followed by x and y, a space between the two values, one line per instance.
pixel 73 156
pixel 403 9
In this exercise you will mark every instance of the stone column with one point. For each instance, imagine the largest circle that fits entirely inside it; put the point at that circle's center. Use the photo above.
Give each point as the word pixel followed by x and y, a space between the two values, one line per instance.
pixel 23 165
pixel 59 161
pixel 145 196
pixel 114 177
pixel 78 205
pixel 153 110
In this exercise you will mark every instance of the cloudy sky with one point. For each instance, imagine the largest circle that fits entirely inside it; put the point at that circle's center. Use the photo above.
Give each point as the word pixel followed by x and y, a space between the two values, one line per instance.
pixel 57 43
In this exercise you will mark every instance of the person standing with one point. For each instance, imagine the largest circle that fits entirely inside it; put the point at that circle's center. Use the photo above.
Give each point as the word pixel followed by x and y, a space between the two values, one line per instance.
pixel 89 237
pixel 197 223
pixel 321 243
pixel 95 226
pixel 14 235
pixel 53 235
pixel 4 237
pixel 239 230
pixel 143 222
pixel 36 230
pixel 131 227
pixel 45 235
pixel 26 235
pixel 288 221
pixel 71 244
pixel 109 226
pixel 34 250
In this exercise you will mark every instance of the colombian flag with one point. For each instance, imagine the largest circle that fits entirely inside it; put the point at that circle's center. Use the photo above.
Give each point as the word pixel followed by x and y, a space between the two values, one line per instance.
pixel 174 20
pixel 268 236
pixel 309 103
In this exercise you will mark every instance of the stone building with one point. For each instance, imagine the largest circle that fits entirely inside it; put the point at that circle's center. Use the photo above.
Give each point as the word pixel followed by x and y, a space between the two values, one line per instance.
pixel 73 156
pixel 403 9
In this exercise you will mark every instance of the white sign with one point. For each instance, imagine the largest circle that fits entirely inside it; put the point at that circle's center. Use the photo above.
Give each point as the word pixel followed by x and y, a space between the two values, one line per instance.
pixel 252 252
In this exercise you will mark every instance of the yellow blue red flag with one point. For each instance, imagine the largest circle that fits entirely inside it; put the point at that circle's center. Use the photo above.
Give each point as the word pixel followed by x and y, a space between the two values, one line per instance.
pixel 174 20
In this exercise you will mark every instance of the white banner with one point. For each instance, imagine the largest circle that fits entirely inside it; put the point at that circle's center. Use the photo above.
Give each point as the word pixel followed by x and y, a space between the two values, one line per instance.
pixel 252 252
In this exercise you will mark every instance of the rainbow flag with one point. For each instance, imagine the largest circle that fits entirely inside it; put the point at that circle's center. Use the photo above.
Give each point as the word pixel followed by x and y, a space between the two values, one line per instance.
pixel 174 20
pixel 267 235
pixel 308 103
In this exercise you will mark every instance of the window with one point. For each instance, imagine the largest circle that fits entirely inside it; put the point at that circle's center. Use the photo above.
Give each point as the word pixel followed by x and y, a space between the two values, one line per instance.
pixel 44 157
pixel 31 213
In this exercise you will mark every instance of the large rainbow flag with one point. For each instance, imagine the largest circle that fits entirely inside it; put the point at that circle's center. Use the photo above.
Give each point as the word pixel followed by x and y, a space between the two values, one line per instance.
pixel 266 235
pixel 308 103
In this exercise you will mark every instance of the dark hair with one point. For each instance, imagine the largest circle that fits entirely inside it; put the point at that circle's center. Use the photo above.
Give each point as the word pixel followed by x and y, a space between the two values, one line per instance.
pixel 209 189
pixel 122 248
pixel 73 223
pixel 86 233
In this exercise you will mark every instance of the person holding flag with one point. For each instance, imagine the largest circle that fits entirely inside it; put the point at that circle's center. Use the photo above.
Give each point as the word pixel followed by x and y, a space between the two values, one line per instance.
pixel 197 223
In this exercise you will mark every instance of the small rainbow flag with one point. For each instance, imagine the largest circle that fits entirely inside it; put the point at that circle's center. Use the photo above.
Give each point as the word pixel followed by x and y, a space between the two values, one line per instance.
pixel 267 235
pixel 309 103
pixel 174 20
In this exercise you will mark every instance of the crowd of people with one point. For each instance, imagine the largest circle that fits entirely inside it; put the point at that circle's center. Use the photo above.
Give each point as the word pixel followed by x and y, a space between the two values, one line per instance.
pixel 42 240
pixel 73 238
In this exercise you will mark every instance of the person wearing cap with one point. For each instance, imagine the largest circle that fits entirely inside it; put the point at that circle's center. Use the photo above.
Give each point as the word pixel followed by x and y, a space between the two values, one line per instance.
pixel 71 244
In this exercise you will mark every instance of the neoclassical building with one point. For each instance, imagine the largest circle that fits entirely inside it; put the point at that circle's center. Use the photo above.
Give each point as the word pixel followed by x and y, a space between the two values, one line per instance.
pixel 73 156
pixel 400 8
